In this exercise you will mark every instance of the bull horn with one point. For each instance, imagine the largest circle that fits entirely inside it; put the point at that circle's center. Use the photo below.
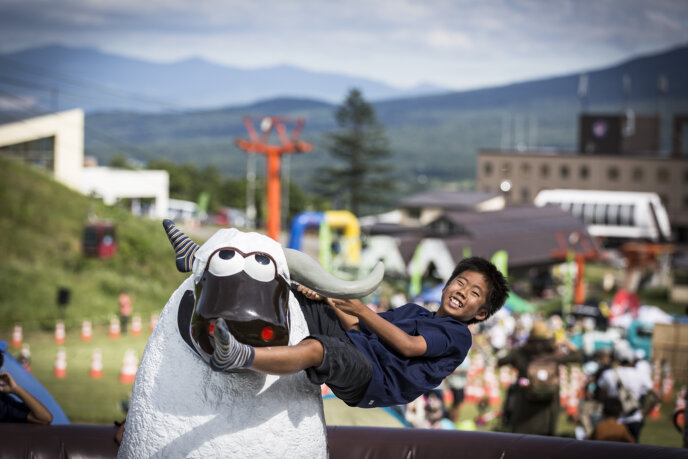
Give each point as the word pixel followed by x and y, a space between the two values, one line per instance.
pixel 184 247
pixel 306 271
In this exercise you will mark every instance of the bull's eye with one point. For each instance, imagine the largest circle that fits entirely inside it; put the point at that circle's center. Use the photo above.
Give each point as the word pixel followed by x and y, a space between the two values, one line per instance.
pixel 260 267
pixel 225 263
pixel 226 254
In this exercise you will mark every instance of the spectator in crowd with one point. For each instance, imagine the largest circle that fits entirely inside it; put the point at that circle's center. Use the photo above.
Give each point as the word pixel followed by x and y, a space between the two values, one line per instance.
pixel 532 405
pixel 26 409
pixel 457 384
pixel 623 379
pixel 125 310
pixel 609 428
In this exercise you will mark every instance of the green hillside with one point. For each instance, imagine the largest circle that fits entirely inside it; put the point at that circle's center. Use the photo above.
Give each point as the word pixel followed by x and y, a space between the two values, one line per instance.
pixel 41 222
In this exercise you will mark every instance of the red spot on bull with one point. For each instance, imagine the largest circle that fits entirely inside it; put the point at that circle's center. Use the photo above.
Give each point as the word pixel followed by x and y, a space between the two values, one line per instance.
pixel 267 333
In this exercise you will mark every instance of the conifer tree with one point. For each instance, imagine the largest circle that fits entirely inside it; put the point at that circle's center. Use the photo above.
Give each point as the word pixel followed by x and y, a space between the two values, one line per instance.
pixel 359 179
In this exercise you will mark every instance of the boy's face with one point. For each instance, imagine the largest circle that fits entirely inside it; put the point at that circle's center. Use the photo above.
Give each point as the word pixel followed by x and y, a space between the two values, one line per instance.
pixel 464 297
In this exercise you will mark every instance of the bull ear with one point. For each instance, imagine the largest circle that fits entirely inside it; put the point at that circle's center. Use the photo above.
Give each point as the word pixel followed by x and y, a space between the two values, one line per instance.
pixel 184 247
pixel 307 272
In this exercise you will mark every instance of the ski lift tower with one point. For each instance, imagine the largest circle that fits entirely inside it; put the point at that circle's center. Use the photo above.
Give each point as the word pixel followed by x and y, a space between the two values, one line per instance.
pixel 287 144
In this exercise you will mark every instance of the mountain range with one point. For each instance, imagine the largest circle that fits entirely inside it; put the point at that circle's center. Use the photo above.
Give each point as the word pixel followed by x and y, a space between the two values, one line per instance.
pixel 97 81
pixel 434 137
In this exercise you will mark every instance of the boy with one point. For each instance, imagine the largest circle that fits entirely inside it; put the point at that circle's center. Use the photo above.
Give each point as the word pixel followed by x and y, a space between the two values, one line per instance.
pixel 370 360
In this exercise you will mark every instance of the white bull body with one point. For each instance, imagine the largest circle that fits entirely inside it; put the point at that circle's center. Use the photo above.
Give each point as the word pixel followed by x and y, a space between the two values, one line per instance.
pixel 180 407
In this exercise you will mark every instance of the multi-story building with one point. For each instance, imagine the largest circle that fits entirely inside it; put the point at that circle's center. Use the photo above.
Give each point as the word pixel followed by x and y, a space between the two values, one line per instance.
pixel 521 175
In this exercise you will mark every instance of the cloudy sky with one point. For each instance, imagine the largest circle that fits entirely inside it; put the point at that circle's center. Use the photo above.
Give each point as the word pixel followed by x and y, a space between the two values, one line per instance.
pixel 456 44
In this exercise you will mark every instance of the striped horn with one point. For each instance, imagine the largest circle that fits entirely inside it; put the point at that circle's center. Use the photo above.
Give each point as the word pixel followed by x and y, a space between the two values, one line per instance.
pixel 184 247
pixel 306 271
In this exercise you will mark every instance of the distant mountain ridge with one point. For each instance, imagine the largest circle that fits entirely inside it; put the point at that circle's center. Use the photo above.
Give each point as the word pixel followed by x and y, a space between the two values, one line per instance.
pixel 434 139
pixel 98 81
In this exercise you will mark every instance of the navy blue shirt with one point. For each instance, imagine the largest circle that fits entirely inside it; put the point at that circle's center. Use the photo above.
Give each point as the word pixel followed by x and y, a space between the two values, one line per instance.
pixel 12 410
pixel 397 379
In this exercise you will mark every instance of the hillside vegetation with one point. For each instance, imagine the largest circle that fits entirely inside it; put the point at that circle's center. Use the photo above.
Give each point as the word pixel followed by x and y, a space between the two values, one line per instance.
pixel 41 222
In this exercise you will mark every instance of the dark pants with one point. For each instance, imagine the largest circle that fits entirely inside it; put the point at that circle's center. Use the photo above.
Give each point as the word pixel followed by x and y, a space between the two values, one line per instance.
pixel 345 369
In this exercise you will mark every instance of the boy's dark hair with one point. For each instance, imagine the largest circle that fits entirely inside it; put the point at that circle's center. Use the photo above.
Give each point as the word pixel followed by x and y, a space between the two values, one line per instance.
pixel 612 407
pixel 498 288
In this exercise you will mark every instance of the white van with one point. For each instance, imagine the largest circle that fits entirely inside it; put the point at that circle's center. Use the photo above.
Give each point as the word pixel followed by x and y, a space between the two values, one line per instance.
pixel 614 214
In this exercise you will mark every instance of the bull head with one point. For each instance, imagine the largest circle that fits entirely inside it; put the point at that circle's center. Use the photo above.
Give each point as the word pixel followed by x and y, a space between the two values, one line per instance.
pixel 242 279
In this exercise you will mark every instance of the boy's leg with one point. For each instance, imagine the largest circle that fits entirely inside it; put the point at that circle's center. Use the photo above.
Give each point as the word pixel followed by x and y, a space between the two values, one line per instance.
pixel 284 360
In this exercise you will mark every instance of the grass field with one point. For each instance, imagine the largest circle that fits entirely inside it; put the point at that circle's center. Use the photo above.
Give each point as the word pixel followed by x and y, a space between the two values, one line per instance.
pixel 89 401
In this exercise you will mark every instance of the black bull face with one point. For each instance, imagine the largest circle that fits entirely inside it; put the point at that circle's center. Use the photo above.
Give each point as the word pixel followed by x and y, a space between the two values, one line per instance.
pixel 247 293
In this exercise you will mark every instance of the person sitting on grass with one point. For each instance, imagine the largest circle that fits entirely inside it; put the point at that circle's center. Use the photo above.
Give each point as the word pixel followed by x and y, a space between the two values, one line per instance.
pixel 29 409
pixel 373 360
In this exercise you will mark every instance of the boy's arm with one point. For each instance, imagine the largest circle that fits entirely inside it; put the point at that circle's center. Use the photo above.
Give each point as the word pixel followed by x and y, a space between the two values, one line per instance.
pixel 405 344
pixel 348 321
pixel 38 414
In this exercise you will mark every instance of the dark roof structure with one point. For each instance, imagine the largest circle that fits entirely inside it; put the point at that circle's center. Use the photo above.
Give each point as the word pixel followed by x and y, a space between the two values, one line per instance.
pixel 450 200
pixel 530 235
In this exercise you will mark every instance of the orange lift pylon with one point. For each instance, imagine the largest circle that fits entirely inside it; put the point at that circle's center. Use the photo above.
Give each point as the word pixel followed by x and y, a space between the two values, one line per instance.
pixel 287 144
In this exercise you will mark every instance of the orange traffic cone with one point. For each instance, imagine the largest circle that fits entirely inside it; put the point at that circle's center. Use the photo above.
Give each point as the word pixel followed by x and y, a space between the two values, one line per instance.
pixel 655 413
pixel 495 395
pixel 25 357
pixel 86 331
pixel 136 325
pixel 97 364
pixel 60 368
pixel 114 328
pixel 129 364
pixel 153 322
pixel 667 384
pixel 572 405
pixel 17 335
pixel 59 333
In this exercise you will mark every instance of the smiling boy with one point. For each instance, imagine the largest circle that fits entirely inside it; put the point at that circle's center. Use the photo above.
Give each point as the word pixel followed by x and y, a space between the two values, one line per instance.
pixel 370 360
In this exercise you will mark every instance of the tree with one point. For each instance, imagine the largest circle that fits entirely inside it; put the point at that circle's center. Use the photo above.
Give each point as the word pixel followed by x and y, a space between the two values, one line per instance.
pixel 361 181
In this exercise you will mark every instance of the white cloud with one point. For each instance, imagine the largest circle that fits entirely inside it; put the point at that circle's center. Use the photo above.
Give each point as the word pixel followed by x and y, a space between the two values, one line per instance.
pixel 448 39
pixel 402 42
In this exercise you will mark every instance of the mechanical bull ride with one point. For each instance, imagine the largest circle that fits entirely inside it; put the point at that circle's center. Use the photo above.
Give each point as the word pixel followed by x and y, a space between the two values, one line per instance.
pixel 183 403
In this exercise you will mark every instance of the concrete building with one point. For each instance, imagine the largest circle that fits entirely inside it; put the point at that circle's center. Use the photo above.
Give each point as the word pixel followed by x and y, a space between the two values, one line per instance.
pixel 55 142
pixel 521 175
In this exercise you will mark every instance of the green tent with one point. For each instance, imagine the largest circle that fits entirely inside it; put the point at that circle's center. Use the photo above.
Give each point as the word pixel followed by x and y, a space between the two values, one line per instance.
pixel 518 304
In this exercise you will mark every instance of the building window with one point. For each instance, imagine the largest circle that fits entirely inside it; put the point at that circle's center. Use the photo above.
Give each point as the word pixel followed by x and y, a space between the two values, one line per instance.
pixel 544 170
pixel 487 168
pixel 685 201
pixel 663 175
pixel 584 172
pixel 525 194
pixel 525 169
pixel 564 171
pixel 637 174
pixel 413 212
pixel 39 153
pixel 506 169
pixel 613 173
